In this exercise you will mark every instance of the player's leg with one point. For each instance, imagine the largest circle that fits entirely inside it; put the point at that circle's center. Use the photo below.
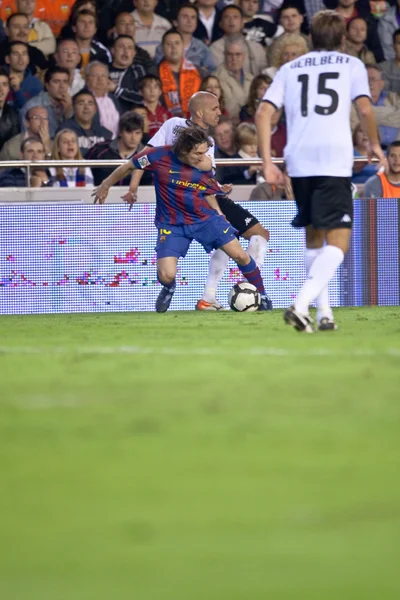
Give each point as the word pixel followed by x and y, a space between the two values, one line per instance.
pixel 249 268
pixel 171 245
pixel 247 226
pixel 331 211
pixel 314 245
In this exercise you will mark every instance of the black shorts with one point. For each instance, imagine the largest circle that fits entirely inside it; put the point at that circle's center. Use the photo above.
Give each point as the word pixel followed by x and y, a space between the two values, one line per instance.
pixel 239 217
pixel 323 202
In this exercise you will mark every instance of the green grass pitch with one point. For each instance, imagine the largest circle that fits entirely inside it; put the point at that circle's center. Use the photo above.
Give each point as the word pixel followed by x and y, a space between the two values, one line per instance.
pixel 198 456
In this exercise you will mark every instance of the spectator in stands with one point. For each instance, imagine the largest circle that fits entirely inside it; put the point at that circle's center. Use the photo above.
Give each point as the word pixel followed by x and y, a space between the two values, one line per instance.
pixel 36 126
pixel 55 99
pixel 125 25
pixel 231 23
pixel 77 7
pixel 387 26
pixel 31 149
pixel 55 14
pixel 124 75
pixel 97 79
pixel 265 191
pixel 286 48
pixel 69 57
pixel 386 107
pixel 347 9
pixel 391 68
pixel 361 171
pixel 195 50
pixel 40 34
pixel 211 84
pixel 234 80
pixel 247 145
pixel 224 136
pixel 128 143
pixel 65 147
pixel 141 110
pixel 179 77
pixel 356 38
pixel 258 28
pixel 85 122
pixel 84 27
pixel 291 19
pixel 150 27
pixel 258 87
pixel 151 91
pixel 17 30
pixel 9 122
pixel 23 85
pixel 386 184
pixel 208 29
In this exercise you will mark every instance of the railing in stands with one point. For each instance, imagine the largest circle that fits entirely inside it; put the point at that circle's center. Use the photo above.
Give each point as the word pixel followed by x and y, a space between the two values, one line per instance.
pixel 223 162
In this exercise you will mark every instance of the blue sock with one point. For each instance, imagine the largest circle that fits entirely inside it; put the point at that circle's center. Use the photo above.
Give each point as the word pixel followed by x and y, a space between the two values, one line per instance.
pixel 253 275
pixel 169 286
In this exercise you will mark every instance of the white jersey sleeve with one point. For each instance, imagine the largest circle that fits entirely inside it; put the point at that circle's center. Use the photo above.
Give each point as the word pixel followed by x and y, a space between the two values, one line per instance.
pixel 359 81
pixel 275 94
pixel 167 133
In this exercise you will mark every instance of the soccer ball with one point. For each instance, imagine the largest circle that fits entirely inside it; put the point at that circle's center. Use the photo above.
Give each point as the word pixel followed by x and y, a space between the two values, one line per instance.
pixel 244 297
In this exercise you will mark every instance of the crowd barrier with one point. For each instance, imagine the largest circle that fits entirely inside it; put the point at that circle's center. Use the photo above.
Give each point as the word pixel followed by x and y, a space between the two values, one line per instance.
pixel 80 257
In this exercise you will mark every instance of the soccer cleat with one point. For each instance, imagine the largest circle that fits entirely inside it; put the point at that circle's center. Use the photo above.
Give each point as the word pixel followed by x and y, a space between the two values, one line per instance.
pixel 265 303
pixel 297 320
pixel 203 305
pixel 326 324
pixel 164 299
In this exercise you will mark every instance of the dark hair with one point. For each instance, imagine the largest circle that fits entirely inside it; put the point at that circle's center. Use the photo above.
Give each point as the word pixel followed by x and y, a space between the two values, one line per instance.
pixel 327 30
pixel 53 71
pixel 130 121
pixel 188 138
pixel 395 34
pixel 123 37
pixel 187 5
pixel 395 144
pixel 287 5
pixel 148 78
pixel 252 103
pixel 67 39
pixel 15 43
pixel 357 18
pixel 170 32
pixel 84 13
pixel 83 92
pixel 229 7
pixel 32 138
pixel 15 15
pixel 3 73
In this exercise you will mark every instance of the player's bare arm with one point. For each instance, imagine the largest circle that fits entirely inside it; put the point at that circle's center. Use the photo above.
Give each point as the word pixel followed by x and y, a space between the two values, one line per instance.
pixel 100 194
pixel 131 196
pixel 212 201
pixel 368 122
pixel 272 173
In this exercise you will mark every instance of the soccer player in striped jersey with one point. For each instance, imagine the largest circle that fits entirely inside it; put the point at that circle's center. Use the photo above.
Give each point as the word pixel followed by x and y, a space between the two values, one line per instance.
pixel 316 91
pixel 186 209
pixel 204 113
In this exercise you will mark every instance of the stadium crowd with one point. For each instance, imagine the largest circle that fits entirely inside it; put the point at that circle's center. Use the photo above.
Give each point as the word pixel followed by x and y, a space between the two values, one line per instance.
pixel 98 78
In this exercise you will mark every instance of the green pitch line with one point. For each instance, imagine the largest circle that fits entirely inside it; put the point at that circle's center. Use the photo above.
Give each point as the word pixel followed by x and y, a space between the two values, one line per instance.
pixel 198 456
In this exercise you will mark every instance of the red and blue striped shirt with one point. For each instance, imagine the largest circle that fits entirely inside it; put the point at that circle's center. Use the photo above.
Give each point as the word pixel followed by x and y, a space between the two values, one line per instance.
pixel 180 188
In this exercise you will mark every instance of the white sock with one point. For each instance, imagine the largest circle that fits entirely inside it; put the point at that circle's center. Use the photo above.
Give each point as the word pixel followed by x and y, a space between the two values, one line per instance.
pixel 321 272
pixel 257 249
pixel 216 269
pixel 323 306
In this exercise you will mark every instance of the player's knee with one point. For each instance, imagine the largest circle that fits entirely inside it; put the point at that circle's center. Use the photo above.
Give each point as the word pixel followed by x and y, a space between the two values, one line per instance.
pixel 257 229
pixel 166 274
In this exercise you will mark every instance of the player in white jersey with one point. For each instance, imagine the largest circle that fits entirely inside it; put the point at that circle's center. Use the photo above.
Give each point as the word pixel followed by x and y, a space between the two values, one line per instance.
pixel 205 112
pixel 316 91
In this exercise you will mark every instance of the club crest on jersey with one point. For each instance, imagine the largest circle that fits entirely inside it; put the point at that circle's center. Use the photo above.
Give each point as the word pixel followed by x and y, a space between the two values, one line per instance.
pixel 143 161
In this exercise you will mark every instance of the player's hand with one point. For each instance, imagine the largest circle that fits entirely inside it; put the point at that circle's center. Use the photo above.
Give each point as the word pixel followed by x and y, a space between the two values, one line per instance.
pixel 226 188
pixel 375 151
pixel 130 198
pixel 273 174
pixel 100 194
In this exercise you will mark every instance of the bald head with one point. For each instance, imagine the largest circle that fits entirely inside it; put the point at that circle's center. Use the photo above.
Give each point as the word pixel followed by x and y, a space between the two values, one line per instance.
pixel 199 100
